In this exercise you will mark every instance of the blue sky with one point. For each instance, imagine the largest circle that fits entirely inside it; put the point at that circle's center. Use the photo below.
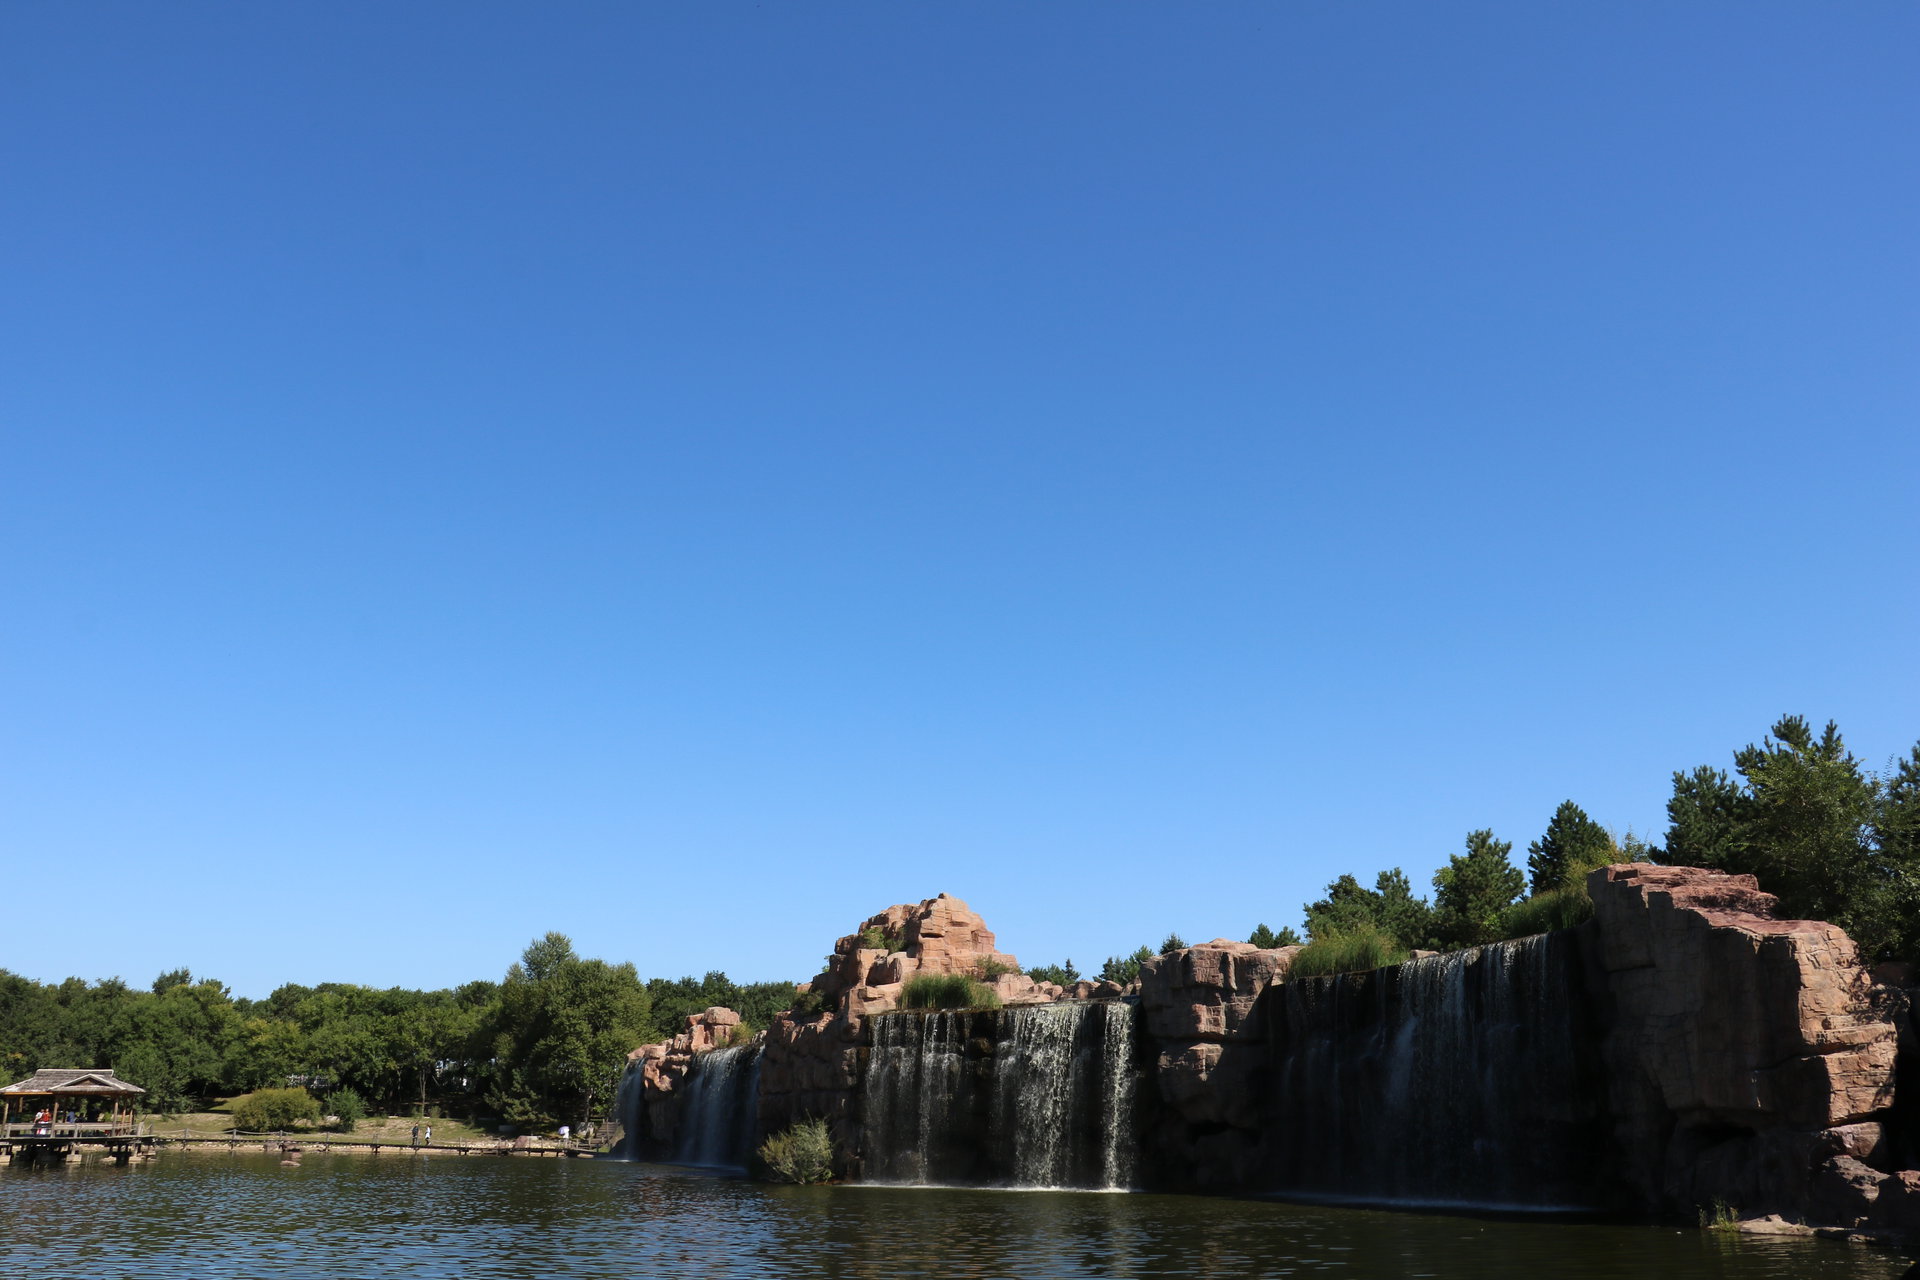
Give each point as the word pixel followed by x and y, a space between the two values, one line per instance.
pixel 691 476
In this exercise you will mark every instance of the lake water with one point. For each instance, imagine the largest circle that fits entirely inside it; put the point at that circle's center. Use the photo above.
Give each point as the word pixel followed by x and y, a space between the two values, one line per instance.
pixel 357 1217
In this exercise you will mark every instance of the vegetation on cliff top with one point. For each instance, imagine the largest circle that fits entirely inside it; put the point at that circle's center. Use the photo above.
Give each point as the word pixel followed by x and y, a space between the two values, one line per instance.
pixel 947 991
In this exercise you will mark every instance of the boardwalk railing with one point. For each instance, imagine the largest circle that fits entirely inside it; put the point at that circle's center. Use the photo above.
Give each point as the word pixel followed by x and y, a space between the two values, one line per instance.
pixel 58 1129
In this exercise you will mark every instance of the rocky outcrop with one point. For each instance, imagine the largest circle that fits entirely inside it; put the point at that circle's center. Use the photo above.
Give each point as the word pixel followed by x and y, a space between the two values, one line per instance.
pixel 870 966
pixel 1751 1059
pixel 663 1069
pixel 1201 1007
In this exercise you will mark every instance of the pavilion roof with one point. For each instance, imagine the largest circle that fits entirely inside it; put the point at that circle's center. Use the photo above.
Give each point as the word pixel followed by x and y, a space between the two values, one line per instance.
pixel 92 1081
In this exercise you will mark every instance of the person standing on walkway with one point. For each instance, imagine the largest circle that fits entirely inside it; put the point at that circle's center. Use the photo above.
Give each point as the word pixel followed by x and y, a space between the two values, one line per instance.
pixel 429 1135
pixel 416 1135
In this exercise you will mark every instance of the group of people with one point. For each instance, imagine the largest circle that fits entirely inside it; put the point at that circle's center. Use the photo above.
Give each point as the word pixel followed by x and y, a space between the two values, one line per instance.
pixel 46 1118
pixel 417 1134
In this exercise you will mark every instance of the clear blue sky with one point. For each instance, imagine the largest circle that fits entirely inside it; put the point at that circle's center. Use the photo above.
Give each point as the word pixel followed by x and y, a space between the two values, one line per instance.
pixel 690 476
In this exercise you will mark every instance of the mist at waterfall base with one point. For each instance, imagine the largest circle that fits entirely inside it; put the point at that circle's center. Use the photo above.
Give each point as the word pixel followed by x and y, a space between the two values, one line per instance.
pixel 1029 1097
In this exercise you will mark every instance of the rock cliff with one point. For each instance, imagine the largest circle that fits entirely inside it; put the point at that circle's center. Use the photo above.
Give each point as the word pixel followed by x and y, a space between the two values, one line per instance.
pixel 1750 1059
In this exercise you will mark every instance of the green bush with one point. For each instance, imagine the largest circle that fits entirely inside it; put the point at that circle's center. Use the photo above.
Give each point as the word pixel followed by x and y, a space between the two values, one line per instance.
pixel 265 1110
pixel 988 968
pixel 874 938
pixel 1545 912
pixel 803 1153
pixel 347 1107
pixel 807 1004
pixel 947 991
pixel 1353 950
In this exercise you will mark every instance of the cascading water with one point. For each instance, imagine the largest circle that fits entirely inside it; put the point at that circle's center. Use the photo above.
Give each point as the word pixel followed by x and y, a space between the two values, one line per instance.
pixel 716 1118
pixel 1463 1079
pixel 1034 1096
pixel 630 1106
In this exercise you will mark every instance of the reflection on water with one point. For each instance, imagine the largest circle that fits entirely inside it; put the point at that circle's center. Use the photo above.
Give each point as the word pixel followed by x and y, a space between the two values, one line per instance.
pixel 211 1216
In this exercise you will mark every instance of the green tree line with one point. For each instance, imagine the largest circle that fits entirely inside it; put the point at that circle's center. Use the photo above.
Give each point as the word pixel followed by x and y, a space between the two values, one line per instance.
pixel 547 1043
pixel 1834 840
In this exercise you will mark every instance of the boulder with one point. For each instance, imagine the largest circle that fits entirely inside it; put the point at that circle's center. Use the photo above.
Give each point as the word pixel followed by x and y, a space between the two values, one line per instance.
pixel 1738 1041
pixel 1208 992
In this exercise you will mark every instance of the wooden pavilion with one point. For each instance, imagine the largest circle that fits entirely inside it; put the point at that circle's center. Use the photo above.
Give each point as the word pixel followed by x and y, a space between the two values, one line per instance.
pixel 61 1112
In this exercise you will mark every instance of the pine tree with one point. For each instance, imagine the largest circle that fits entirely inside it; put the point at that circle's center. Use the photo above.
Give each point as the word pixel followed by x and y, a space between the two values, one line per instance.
pixel 1473 888
pixel 1573 843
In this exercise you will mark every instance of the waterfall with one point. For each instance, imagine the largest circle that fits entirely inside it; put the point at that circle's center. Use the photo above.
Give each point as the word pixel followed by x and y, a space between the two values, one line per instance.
pixel 1457 1079
pixel 717 1113
pixel 1034 1096
pixel 630 1108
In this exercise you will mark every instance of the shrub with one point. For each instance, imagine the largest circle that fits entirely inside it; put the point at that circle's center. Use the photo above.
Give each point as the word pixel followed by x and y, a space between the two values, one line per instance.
pixel 988 968
pixel 1353 950
pixel 807 1004
pixel 946 991
pixel 803 1153
pixel 1174 942
pixel 347 1107
pixel 739 1035
pixel 1545 912
pixel 265 1110
pixel 878 937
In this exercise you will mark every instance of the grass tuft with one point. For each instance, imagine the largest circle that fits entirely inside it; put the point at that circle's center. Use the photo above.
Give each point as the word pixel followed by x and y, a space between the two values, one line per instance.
pixel 1352 951
pixel 947 991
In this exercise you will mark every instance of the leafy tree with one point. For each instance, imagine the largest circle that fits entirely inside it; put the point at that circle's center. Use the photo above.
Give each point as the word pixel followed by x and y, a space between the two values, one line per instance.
pixel 1473 889
pixel 1573 843
pixel 347 1109
pixel 1174 942
pixel 562 1031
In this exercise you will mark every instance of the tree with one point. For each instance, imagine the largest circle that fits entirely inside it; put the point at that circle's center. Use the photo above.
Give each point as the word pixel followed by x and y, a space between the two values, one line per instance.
pixel 1388 907
pixel 1062 974
pixel 1473 888
pixel 1174 942
pixel 1573 844
pixel 1125 969
pixel 1266 939
pixel 1803 819
pixel 561 1033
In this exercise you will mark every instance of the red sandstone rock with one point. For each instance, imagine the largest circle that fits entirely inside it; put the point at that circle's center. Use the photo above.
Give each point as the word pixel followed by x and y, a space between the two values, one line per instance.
pixel 940 935
pixel 1728 1021
pixel 1208 992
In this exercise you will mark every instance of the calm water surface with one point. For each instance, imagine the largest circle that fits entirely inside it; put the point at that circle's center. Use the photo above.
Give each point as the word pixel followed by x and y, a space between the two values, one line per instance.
pixel 208 1215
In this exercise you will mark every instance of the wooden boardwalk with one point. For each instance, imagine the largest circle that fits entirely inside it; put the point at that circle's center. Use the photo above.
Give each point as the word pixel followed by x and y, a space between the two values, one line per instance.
pixel 301 1143
pixel 51 1148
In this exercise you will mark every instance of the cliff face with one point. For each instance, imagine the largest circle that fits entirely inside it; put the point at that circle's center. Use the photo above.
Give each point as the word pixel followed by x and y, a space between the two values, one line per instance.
pixel 1205 1017
pixel 813 1064
pixel 1750 1059
pixel 1684 1047
pixel 660 1071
